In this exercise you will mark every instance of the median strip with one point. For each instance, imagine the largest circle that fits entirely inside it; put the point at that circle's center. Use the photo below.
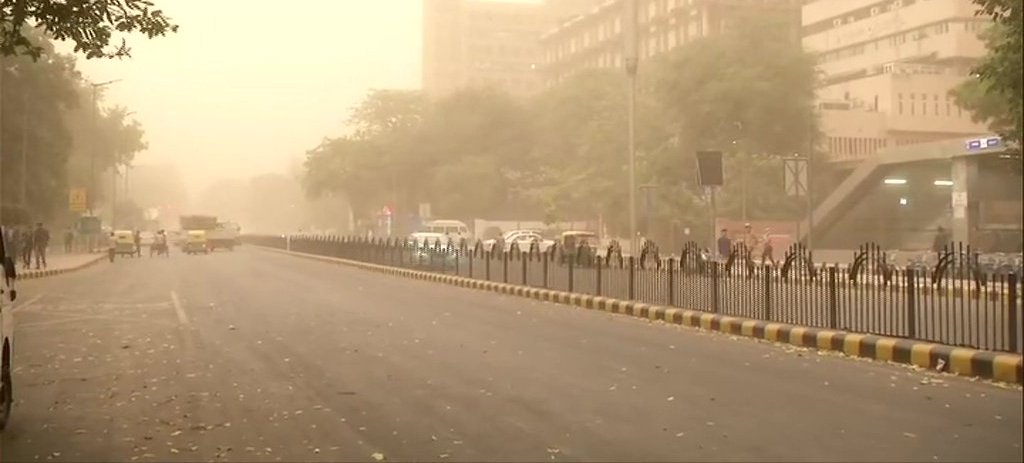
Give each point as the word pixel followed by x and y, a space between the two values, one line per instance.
pixel 36 274
pixel 1005 367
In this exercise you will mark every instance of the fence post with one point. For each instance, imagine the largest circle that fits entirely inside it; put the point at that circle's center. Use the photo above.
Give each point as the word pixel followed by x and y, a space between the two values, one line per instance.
pixel 767 292
pixel 487 265
pixel 472 257
pixel 632 278
pixel 1013 317
pixel 504 267
pixel 714 287
pixel 522 258
pixel 911 304
pixel 833 298
pixel 597 284
pixel 545 259
pixel 571 273
pixel 671 281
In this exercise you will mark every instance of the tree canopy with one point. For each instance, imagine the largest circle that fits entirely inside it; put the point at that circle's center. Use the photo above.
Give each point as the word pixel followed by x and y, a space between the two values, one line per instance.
pixel 995 93
pixel 90 24
pixel 562 155
pixel 50 134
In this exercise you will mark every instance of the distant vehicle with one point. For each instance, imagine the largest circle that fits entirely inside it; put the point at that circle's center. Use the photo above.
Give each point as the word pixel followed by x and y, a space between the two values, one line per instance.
pixel 223 236
pixel 195 242
pixel 197 222
pixel 124 243
pixel 454 229
pixel 7 296
pixel 524 240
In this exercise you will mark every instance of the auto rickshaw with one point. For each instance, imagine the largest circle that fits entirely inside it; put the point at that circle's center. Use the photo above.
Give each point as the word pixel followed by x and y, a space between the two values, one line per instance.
pixel 122 243
pixel 573 242
pixel 195 242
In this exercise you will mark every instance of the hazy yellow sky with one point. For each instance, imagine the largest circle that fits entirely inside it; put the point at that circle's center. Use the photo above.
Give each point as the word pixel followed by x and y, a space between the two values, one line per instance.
pixel 247 85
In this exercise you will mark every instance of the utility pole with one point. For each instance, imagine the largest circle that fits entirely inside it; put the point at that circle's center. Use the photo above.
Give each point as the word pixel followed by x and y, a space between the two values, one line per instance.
pixel 91 198
pixel 631 58
pixel 24 151
pixel 2 67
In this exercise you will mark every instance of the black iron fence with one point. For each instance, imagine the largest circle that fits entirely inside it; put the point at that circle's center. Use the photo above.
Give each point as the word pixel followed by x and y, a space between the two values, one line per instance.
pixel 953 302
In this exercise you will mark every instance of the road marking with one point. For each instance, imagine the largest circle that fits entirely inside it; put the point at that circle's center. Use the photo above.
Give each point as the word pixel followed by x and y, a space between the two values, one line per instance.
pixel 26 303
pixel 182 318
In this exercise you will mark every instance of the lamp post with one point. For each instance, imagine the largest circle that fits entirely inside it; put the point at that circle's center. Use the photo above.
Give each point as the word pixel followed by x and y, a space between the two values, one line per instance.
pixel 631 59
pixel 95 133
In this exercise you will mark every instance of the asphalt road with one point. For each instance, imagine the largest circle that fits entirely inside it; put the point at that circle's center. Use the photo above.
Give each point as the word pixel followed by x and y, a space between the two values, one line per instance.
pixel 259 356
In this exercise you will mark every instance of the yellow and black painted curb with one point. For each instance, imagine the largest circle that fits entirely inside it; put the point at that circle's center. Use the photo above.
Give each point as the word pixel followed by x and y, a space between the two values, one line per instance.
pixel 35 274
pixel 998 366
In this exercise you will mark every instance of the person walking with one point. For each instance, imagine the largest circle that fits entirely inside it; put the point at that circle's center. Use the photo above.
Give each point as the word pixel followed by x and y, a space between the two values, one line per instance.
pixel 767 250
pixel 40 241
pixel 941 241
pixel 27 244
pixel 137 237
pixel 69 240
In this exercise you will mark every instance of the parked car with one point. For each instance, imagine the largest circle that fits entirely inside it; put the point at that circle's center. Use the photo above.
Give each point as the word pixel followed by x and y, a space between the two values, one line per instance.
pixel 523 239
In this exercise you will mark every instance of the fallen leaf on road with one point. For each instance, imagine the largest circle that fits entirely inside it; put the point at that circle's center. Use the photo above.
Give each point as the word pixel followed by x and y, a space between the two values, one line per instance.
pixel 231 328
pixel 443 456
pixel 909 434
pixel 316 450
pixel 680 434
pixel 174 451
pixel 378 456
pixel 176 433
pixel 554 450
pixel 710 423
pixel 671 398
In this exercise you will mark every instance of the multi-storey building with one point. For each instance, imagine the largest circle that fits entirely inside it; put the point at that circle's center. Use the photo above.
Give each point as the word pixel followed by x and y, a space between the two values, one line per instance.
pixel 476 42
pixel 595 40
pixel 887 69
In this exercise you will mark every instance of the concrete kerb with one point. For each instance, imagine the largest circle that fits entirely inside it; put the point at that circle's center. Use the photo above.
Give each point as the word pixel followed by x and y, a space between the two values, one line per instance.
pixel 1005 367
pixel 36 274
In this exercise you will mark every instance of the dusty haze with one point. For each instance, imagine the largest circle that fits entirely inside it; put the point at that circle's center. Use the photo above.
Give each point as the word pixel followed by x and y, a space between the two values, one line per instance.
pixel 242 88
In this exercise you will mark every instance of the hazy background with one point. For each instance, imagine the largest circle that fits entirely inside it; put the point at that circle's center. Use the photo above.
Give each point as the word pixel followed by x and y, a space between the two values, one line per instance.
pixel 245 86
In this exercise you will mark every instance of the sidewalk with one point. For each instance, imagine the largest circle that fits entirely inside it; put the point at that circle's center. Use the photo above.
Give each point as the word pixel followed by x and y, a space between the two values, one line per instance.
pixel 60 263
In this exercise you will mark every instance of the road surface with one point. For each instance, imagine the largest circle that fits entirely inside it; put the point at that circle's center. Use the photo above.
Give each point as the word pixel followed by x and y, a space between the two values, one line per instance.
pixel 259 356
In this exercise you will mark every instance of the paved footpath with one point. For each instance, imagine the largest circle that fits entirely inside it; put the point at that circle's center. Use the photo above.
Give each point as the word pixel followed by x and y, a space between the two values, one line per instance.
pixel 259 356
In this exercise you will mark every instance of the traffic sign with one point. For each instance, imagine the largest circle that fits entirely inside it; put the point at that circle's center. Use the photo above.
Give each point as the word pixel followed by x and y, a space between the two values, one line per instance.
pixel 78 200
pixel 794 176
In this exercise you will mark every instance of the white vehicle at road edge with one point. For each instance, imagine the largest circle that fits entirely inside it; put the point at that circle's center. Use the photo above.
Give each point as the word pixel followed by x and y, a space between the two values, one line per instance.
pixel 7 292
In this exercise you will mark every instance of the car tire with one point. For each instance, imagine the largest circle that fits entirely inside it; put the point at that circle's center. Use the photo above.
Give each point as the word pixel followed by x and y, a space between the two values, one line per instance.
pixel 6 388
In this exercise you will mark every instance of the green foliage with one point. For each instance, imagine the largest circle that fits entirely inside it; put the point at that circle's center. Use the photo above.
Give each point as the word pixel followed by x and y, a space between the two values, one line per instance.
pixel 49 133
pixel 563 154
pixel 997 92
pixel 91 25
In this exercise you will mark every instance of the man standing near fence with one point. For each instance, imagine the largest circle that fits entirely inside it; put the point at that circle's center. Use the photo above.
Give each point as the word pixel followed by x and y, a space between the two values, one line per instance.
pixel 724 244
pixel 27 244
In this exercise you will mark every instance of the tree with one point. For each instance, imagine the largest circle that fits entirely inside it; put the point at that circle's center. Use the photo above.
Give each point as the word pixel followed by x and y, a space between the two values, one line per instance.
pixel 91 25
pixel 748 91
pixel 480 137
pixel 996 92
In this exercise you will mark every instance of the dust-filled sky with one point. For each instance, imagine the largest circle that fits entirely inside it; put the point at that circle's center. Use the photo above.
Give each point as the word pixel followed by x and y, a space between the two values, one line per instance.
pixel 247 85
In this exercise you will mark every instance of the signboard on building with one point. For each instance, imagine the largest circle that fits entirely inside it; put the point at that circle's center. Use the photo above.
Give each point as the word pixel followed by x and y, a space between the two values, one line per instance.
pixel 78 200
pixel 794 176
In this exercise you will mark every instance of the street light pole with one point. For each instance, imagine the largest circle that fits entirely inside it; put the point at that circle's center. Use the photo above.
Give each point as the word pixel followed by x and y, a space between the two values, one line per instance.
pixel 631 59
pixel 91 198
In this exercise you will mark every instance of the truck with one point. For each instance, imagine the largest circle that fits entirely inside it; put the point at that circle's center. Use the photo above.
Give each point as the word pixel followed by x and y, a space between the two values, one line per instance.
pixel 224 235
pixel 219 235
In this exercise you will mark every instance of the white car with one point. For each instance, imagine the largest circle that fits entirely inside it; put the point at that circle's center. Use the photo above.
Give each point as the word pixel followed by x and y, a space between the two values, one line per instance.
pixel 523 239
pixel 7 297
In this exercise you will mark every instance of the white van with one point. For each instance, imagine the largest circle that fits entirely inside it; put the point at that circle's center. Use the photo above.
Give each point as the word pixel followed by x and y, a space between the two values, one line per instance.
pixel 7 296
pixel 453 229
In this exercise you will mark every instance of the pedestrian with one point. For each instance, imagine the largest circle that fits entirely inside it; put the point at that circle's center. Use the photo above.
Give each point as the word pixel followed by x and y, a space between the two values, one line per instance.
pixel 749 239
pixel 137 238
pixel 27 244
pixel 767 250
pixel 13 243
pixel 724 244
pixel 40 241
pixel 69 239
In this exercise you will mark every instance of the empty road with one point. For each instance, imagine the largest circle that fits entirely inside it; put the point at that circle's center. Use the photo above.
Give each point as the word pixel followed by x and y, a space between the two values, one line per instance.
pixel 260 356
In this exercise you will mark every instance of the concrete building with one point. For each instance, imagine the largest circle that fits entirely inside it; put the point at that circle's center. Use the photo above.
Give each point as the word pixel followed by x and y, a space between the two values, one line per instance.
pixel 888 67
pixel 594 40
pixel 476 42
